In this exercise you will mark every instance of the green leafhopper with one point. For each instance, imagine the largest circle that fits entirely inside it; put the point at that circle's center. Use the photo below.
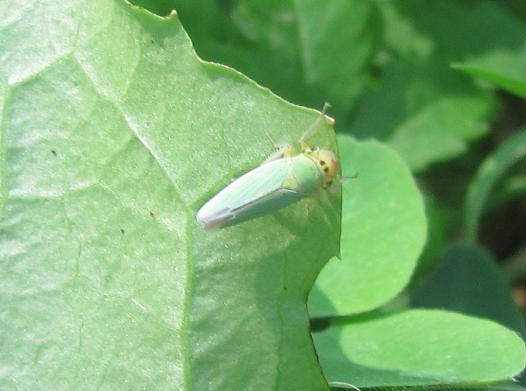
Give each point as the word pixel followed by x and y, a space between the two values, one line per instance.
pixel 281 180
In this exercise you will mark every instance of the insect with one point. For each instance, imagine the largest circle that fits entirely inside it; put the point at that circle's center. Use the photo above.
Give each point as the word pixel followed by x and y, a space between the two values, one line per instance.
pixel 282 179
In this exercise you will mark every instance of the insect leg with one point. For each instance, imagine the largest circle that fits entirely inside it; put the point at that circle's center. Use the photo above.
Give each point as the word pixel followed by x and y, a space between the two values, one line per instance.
pixel 282 149
pixel 312 202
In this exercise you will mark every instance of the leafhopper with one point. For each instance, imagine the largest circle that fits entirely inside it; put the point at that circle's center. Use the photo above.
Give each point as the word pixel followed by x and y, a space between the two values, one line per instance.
pixel 281 180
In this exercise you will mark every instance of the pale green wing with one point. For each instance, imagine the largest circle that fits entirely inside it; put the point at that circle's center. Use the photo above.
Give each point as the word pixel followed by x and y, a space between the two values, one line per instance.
pixel 254 194
pixel 264 205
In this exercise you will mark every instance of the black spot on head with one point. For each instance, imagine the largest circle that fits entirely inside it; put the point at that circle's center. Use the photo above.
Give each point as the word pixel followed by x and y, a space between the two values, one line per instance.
pixel 54 152
pixel 322 162
pixel 152 214
pixel 326 169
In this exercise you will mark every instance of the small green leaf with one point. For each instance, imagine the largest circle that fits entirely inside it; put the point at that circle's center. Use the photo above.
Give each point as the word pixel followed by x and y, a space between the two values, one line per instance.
pixel 504 69
pixel 438 228
pixel 383 232
pixel 468 280
pixel 418 348
pixel 113 134
pixel 451 29
pixel 427 114
pixel 490 171
pixel 337 39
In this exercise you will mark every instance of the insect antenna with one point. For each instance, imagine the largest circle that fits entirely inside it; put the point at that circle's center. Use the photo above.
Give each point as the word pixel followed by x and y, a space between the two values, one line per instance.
pixel 344 178
pixel 312 129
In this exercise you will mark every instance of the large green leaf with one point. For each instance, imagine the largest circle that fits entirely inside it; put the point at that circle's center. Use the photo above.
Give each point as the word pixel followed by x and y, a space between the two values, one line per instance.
pixel 418 348
pixel 383 232
pixel 490 171
pixel 3 93
pixel 159 7
pixel 113 135
pixel 307 51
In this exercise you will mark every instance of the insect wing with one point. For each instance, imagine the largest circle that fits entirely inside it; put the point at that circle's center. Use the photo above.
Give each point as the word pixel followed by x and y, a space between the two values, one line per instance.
pixel 254 194
pixel 264 205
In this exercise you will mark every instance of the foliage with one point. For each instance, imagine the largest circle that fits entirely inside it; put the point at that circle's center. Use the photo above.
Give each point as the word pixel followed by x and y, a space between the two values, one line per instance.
pixel 114 132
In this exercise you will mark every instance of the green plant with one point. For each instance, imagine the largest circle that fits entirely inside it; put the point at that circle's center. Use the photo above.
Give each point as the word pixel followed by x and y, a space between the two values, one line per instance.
pixel 113 134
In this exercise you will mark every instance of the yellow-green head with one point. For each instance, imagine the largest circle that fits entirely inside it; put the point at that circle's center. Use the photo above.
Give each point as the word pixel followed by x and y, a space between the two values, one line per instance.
pixel 327 163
